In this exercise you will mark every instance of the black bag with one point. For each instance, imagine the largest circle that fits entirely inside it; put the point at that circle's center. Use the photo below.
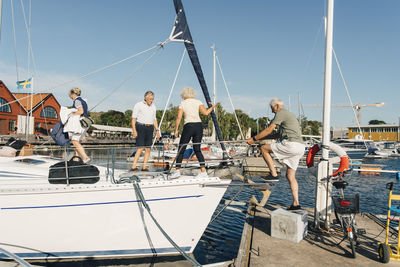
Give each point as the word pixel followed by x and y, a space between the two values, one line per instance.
pixel 16 144
pixel 78 172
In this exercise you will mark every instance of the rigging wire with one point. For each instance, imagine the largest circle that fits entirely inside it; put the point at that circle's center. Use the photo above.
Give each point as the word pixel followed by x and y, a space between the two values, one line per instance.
pixel 90 73
pixel 29 40
pixel 15 38
pixel 170 93
pixel 229 95
pixel 31 56
pixel 348 94
pixel 127 78
pixel 107 67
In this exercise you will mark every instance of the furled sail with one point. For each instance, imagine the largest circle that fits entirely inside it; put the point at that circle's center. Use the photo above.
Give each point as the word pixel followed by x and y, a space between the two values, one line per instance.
pixel 181 32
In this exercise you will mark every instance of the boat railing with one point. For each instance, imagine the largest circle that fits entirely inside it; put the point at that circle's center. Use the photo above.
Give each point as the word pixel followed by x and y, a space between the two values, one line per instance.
pixel 114 158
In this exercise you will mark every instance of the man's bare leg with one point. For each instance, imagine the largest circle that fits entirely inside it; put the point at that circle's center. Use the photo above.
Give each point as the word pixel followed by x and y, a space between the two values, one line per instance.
pixel 265 151
pixel 294 186
pixel 146 157
pixel 137 156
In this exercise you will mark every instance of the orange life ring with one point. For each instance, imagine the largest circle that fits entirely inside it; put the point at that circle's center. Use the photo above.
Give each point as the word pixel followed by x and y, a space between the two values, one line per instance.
pixel 344 158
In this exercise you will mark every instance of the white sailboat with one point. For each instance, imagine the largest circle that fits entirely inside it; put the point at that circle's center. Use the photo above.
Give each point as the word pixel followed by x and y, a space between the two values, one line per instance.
pixel 39 220
pixel 121 215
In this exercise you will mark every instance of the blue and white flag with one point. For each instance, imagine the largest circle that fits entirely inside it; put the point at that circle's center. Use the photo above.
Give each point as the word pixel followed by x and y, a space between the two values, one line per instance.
pixel 24 84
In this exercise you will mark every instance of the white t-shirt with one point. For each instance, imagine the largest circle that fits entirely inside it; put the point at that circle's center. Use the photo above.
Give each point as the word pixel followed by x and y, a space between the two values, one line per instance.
pixel 144 113
pixel 190 109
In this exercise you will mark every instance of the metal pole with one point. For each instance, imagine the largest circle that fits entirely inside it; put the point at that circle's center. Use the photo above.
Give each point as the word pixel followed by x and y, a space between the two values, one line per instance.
pixel 298 104
pixel 327 82
pixel 66 164
pixel 322 196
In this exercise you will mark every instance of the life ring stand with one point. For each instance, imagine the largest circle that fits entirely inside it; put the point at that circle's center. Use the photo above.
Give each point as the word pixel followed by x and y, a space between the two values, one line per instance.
pixel 344 158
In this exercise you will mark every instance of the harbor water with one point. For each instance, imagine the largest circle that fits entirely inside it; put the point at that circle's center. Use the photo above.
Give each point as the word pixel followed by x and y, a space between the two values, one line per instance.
pixel 221 239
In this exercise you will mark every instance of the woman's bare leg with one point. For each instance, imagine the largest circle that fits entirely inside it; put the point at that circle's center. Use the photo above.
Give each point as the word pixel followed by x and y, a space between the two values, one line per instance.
pixel 79 150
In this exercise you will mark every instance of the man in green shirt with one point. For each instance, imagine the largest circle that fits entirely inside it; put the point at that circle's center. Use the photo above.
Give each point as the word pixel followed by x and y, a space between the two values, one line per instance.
pixel 289 147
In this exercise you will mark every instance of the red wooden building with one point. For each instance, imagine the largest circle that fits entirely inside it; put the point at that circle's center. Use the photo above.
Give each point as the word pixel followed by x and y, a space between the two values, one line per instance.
pixel 15 108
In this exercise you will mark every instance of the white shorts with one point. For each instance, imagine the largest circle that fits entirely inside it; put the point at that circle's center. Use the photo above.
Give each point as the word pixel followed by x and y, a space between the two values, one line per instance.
pixel 288 152
pixel 77 136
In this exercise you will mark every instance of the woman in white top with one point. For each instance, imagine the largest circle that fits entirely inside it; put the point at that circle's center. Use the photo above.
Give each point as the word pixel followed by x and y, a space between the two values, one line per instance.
pixel 193 128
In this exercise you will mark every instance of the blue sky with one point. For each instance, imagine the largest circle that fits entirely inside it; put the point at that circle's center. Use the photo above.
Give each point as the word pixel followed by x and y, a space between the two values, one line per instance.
pixel 266 49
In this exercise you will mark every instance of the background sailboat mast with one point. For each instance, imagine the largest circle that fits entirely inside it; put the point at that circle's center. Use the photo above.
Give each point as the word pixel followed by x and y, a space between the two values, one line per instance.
pixel 214 88
pixel 214 77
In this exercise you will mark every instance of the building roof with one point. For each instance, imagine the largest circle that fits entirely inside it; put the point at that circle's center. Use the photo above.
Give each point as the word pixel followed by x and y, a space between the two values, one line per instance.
pixel 25 99
pixel 376 126
pixel 108 128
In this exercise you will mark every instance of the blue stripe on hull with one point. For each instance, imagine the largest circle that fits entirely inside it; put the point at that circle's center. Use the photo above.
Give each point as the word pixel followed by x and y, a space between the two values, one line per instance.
pixel 98 203
pixel 85 254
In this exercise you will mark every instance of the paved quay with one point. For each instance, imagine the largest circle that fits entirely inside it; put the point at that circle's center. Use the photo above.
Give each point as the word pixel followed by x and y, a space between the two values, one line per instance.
pixel 319 248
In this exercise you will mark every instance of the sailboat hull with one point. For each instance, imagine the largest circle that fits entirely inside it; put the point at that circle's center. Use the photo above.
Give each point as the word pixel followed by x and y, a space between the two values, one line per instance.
pixel 45 221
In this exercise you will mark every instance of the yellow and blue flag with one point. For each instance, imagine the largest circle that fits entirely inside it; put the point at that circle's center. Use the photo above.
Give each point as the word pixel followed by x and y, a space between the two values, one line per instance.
pixel 24 84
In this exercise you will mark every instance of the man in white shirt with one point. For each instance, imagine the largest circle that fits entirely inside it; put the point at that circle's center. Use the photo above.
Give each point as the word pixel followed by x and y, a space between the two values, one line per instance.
pixel 144 122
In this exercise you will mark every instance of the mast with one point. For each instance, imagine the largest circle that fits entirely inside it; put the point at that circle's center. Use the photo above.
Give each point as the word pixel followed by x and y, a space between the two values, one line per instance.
pixel 327 82
pixel 181 29
pixel 323 191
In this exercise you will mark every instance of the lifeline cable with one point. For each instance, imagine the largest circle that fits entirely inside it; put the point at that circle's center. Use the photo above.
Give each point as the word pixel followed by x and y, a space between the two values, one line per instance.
pixel 139 193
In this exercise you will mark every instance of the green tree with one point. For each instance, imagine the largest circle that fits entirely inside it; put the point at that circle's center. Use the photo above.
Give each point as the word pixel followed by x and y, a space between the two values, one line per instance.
pixel 310 127
pixel 128 118
pixel 168 124
pixel 113 118
pixel 96 117
pixel 376 122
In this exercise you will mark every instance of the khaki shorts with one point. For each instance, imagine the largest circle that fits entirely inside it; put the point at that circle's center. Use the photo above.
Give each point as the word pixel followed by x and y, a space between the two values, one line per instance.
pixel 288 152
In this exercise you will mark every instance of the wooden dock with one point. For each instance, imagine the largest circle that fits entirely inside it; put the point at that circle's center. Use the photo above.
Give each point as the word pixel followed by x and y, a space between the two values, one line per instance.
pixel 319 248
pixel 256 166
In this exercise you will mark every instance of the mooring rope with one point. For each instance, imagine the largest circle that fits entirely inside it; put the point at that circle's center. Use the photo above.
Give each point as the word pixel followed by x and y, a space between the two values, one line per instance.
pixel 139 193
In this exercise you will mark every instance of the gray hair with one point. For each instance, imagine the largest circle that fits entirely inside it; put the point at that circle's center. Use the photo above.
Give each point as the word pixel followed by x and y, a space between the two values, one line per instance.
pixel 188 92
pixel 148 93
pixel 276 101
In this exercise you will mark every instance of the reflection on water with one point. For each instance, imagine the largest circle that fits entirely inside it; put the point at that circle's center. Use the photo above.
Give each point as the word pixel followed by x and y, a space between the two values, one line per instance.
pixel 221 239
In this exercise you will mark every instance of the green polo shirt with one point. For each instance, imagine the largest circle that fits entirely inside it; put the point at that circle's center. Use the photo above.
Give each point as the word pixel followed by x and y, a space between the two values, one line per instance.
pixel 288 126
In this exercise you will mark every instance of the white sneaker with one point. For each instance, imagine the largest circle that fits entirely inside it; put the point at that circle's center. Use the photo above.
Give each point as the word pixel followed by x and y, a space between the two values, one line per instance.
pixel 174 175
pixel 87 160
pixel 202 175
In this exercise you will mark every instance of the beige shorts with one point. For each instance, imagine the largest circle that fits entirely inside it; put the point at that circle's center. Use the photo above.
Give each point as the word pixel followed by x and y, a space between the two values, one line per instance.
pixel 288 152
